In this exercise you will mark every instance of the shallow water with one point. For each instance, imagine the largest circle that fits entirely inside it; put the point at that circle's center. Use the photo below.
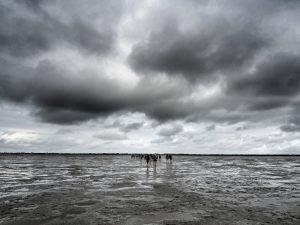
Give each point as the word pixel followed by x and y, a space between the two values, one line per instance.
pixel 267 184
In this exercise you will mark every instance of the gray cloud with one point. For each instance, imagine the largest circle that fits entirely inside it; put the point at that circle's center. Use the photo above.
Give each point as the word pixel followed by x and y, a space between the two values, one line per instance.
pixel 125 127
pixel 65 97
pixel 241 128
pixel 290 128
pixel 25 32
pixel 198 54
pixel 63 131
pixel 131 126
pixel 211 127
pixel 278 76
pixel 175 50
pixel 33 4
pixel 63 116
pixel 273 83
pixel 293 123
pixel 111 136
pixel 170 131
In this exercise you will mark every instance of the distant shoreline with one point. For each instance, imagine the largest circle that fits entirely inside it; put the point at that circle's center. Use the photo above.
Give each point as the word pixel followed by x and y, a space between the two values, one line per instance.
pixel 124 154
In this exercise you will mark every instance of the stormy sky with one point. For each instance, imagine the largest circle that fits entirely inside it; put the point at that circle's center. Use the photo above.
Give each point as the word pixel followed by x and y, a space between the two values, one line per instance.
pixel 181 76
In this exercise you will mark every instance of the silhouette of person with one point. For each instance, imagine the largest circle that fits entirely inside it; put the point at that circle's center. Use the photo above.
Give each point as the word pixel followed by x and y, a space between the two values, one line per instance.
pixel 147 158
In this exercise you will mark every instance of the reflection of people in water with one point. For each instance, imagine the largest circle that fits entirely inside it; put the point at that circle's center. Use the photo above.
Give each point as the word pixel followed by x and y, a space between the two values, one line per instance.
pixel 169 167
pixel 154 158
pixel 148 169
pixel 154 170
pixel 147 173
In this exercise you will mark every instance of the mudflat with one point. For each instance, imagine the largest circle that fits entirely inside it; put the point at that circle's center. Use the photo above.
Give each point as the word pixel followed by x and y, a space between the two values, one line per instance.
pixel 103 189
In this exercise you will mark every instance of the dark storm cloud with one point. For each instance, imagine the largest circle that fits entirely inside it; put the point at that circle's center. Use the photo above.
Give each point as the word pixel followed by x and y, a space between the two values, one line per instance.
pixel 198 54
pixel 58 89
pixel 272 84
pixel 25 32
pixel 223 38
pixel 65 97
pixel 62 97
pixel 14 82
pixel 267 103
pixel 177 47
pixel 33 4
pixel 279 75
pixel 227 48
pixel 64 116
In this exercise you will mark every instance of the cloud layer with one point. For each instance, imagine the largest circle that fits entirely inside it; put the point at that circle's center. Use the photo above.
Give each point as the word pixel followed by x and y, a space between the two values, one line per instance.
pixel 211 61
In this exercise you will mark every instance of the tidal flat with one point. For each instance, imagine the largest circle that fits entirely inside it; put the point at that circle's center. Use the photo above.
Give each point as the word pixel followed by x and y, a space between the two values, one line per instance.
pixel 118 190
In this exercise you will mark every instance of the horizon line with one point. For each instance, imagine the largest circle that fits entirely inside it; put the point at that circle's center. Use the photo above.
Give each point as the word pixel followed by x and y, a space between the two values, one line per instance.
pixel 179 154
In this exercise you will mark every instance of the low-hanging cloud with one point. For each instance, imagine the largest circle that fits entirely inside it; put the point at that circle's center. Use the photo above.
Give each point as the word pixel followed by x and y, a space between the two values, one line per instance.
pixel 32 27
pixel 197 54
pixel 209 61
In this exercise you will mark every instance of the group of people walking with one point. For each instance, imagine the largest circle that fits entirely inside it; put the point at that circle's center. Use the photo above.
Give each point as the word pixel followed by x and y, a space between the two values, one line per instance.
pixel 169 157
pixel 151 157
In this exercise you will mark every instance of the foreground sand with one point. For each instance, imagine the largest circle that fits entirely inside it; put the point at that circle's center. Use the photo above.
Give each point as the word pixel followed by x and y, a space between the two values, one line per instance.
pixel 108 190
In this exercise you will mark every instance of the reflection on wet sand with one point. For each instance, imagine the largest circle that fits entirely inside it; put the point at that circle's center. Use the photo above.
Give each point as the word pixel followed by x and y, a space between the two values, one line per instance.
pixel 151 166
pixel 169 167
pixel 88 190
pixel 154 170
pixel 147 172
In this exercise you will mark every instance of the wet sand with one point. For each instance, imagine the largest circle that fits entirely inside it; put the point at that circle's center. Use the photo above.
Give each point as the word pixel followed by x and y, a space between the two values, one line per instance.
pixel 83 190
